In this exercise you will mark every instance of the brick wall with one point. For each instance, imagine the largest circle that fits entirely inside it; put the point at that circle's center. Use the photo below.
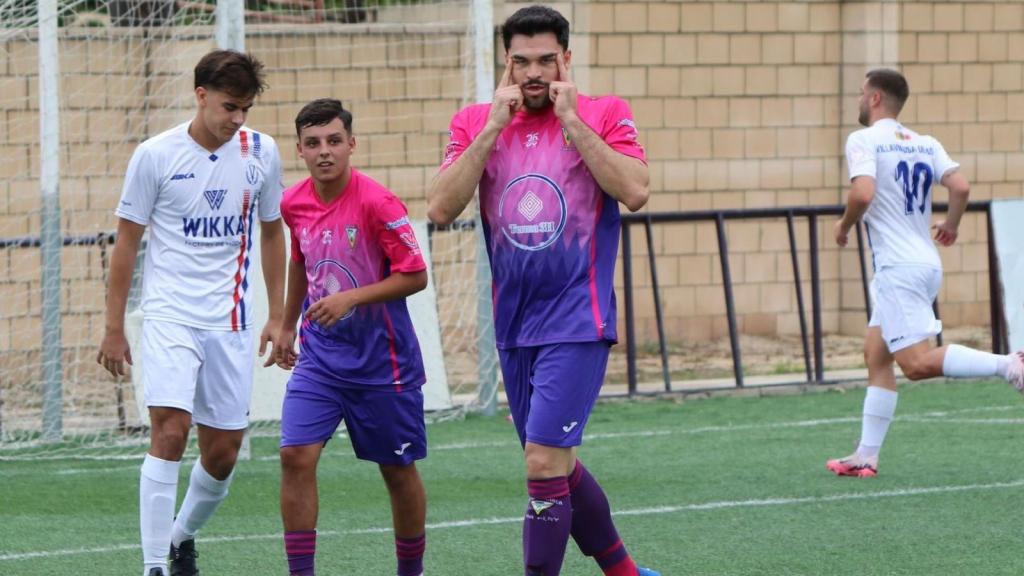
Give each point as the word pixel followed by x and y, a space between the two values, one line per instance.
pixel 739 105
pixel 748 104
pixel 403 83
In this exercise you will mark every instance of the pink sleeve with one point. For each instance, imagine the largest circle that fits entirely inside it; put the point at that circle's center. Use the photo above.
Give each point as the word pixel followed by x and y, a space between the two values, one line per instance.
pixel 296 249
pixel 458 139
pixel 396 237
pixel 619 130
pixel 289 221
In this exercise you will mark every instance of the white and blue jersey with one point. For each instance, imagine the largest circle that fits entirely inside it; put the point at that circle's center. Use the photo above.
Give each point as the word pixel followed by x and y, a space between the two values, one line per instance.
pixel 200 208
pixel 906 167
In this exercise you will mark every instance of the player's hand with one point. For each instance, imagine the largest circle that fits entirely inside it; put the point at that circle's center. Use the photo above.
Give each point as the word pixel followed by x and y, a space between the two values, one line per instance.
pixel 271 333
pixel 508 99
pixel 328 310
pixel 114 352
pixel 562 91
pixel 842 234
pixel 284 354
pixel 945 233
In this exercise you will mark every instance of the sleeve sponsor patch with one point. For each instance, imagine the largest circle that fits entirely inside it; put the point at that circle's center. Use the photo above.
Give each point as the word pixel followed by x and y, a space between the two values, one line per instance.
pixel 409 239
pixel 403 221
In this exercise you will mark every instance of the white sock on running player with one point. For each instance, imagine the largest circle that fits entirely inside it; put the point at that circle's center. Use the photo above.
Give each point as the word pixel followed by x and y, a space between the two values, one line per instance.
pixel 964 362
pixel 879 407
pixel 158 490
pixel 205 493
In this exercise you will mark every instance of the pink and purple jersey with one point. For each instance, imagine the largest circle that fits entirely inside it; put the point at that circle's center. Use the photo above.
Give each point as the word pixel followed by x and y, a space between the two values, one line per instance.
pixel 358 239
pixel 552 233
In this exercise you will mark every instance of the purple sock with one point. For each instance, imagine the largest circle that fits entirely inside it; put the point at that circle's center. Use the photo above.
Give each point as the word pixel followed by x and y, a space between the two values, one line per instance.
pixel 546 526
pixel 410 555
pixel 300 546
pixel 592 525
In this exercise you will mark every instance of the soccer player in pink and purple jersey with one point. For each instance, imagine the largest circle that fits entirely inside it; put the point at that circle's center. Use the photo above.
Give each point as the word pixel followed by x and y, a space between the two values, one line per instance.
pixel 354 259
pixel 552 166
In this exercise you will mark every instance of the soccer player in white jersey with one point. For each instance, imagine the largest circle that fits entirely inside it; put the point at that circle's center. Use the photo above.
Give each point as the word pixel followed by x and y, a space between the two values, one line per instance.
pixel 892 171
pixel 199 188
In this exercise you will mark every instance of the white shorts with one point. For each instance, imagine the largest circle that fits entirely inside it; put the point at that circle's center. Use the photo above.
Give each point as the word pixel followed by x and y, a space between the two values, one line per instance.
pixel 207 373
pixel 903 297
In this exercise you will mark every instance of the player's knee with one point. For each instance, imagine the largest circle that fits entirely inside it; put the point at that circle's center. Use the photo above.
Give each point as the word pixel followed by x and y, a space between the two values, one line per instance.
pixel 870 356
pixel 400 478
pixel 168 442
pixel 219 456
pixel 220 465
pixel 914 368
pixel 294 460
pixel 543 464
pixel 876 358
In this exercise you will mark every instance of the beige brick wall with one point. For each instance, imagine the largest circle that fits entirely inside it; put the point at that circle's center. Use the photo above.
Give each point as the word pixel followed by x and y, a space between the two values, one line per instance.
pixel 748 104
pixel 740 104
pixel 403 84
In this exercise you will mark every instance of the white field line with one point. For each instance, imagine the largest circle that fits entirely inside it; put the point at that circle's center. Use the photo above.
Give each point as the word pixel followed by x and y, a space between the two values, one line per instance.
pixel 650 511
pixel 989 421
pixel 923 417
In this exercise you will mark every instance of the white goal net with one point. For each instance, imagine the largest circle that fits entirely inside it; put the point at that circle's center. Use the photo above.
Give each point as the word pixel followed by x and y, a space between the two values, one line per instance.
pixel 125 74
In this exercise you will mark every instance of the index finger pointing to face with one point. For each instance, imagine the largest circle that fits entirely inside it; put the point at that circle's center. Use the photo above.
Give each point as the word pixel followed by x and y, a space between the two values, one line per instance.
pixel 506 76
pixel 563 69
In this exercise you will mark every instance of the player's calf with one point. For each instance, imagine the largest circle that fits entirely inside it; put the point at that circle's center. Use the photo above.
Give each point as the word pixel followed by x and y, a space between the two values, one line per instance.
pixel 963 362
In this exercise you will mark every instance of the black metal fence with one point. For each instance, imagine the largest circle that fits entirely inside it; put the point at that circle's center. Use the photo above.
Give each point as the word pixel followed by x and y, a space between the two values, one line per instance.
pixel 813 350
pixel 814 364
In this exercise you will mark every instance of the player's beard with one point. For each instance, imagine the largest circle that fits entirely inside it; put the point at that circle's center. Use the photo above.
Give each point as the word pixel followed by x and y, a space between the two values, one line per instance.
pixel 538 102
pixel 864 116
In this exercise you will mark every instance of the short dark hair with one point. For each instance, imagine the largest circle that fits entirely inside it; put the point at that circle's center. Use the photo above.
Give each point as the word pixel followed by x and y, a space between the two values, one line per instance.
pixel 892 84
pixel 321 112
pixel 230 71
pixel 534 20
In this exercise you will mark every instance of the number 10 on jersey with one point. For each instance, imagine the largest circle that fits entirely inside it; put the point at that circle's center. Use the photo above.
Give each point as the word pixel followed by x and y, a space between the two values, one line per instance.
pixel 916 184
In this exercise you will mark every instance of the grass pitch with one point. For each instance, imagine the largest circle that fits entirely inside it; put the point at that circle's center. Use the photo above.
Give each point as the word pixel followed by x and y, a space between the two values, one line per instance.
pixel 719 486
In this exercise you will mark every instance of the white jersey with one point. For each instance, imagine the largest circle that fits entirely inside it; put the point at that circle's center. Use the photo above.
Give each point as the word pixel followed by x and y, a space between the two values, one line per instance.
pixel 905 166
pixel 200 209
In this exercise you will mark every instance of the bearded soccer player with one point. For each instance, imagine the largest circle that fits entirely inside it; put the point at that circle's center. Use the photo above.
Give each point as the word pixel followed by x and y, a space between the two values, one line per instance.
pixel 199 188
pixel 354 260
pixel 552 166
pixel 892 172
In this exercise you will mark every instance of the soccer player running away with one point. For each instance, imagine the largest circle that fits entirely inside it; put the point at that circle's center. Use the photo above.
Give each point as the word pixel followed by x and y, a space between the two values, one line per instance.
pixel 354 260
pixel 199 187
pixel 552 166
pixel 892 171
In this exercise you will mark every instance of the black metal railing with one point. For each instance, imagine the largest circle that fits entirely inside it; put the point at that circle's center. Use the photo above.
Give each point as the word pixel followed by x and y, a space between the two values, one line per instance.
pixel 814 360
pixel 814 370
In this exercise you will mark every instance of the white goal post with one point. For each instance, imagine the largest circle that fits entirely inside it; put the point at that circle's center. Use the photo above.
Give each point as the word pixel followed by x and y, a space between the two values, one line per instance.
pixel 1007 216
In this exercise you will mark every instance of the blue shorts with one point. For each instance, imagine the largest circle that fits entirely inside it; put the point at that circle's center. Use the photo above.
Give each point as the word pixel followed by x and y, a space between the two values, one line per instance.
pixel 552 389
pixel 385 425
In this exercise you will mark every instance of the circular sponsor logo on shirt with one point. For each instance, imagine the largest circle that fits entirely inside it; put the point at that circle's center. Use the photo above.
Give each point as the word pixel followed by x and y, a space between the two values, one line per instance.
pixel 331 277
pixel 532 212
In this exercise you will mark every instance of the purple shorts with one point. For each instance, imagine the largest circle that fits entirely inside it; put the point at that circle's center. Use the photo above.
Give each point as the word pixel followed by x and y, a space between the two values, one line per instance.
pixel 386 425
pixel 552 389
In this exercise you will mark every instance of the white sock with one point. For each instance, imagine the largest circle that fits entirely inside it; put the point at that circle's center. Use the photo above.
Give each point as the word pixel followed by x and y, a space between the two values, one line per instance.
pixel 158 490
pixel 879 407
pixel 964 362
pixel 205 493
